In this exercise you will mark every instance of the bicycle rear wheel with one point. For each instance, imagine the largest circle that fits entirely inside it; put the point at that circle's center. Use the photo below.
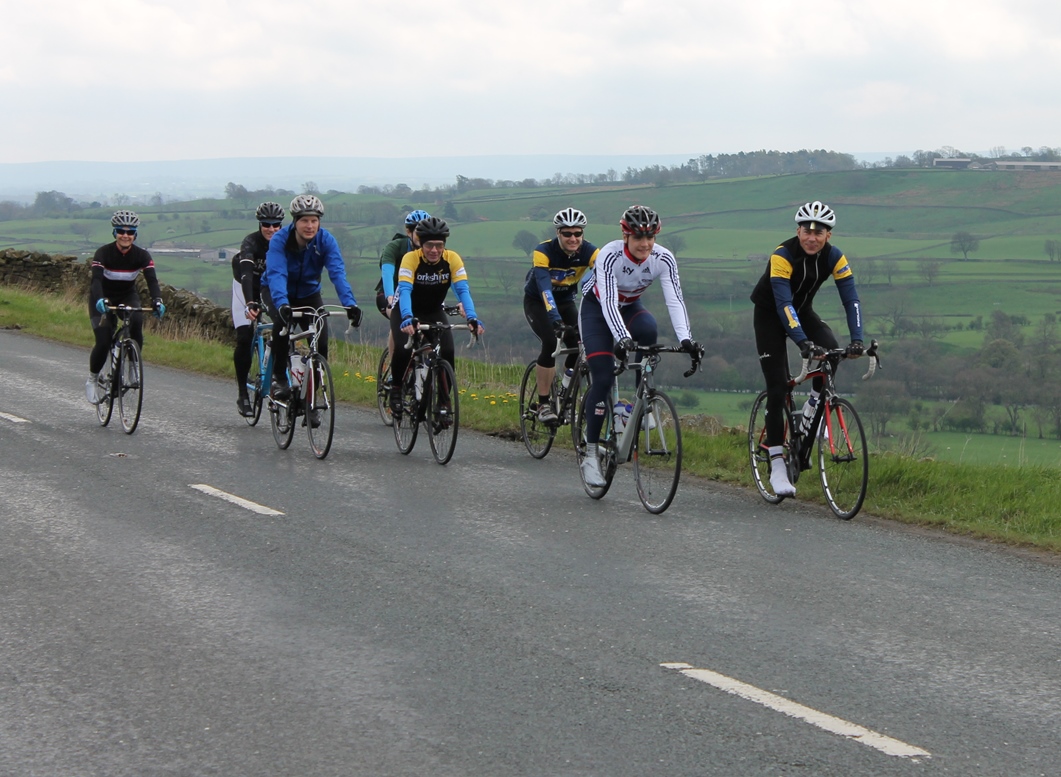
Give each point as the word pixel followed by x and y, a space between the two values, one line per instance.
pixel 843 458
pixel 606 452
pixel 537 436
pixel 383 387
pixel 282 420
pixel 255 387
pixel 443 411
pixel 657 453
pixel 130 377
pixel 105 407
pixel 407 425
pixel 758 453
pixel 320 405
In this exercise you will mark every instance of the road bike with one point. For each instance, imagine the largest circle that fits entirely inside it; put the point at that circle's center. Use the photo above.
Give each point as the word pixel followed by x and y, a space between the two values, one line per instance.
pixel 260 377
pixel 312 393
pixel 651 436
pixel 383 387
pixel 122 377
pixel 539 435
pixel 429 394
pixel 835 432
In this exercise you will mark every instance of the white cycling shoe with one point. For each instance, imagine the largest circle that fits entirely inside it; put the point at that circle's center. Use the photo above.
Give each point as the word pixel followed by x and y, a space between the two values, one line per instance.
pixel 779 482
pixel 92 391
pixel 591 473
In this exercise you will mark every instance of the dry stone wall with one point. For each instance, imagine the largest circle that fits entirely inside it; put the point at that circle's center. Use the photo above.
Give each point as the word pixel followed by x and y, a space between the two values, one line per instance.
pixel 186 311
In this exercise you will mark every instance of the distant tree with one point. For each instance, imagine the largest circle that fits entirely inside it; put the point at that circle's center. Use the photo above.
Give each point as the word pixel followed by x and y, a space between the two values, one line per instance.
pixel 964 243
pixel 929 270
pixel 120 200
pixel 1052 248
pixel 52 203
pixel 310 187
pixel 525 241
pixel 156 200
pixel 890 268
pixel 676 243
pixel 867 271
pixel 449 210
pixel 237 192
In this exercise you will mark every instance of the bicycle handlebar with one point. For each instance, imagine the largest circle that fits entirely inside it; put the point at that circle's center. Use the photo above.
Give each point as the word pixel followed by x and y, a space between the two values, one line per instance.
pixel 653 349
pixel 839 354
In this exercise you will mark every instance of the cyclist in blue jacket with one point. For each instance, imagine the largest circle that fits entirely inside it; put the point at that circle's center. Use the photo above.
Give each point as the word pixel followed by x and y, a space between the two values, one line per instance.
pixel 297 256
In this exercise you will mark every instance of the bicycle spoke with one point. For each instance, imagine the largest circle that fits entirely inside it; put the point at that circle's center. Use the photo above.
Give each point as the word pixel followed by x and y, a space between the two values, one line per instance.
pixel 383 386
pixel 657 453
pixel 130 377
pixel 537 437
pixel 320 405
pixel 406 426
pixel 443 411
pixel 843 458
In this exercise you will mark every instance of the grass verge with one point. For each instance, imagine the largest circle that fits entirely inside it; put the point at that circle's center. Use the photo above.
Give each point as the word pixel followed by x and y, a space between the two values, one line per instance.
pixel 1013 505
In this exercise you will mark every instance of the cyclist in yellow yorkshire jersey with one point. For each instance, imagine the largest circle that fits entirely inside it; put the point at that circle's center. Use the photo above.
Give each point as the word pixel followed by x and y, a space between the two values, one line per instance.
pixel 425 275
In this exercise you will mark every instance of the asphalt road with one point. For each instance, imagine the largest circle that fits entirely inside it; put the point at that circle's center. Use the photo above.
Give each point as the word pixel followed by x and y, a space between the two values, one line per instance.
pixel 396 617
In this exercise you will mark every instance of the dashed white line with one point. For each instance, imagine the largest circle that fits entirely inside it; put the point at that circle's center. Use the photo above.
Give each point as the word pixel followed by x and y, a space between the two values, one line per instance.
pixel 236 500
pixel 13 418
pixel 822 720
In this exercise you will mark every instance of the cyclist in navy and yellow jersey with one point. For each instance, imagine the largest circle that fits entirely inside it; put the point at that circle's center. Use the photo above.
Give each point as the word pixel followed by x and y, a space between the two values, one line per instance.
pixel 549 299
pixel 424 277
pixel 114 270
pixel 783 300
pixel 247 268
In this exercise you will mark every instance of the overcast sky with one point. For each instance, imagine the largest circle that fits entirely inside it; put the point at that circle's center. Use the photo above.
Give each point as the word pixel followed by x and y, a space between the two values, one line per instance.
pixel 133 80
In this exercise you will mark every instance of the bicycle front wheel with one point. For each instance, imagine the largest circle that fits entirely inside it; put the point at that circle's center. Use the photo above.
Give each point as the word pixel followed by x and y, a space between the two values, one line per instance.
pixel 843 458
pixel 657 453
pixel 320 405
pixel 758 453
pixel 443 414
pixel 255 388
pixel 606 453
pixel 105 407
pixel 538 437
pixel 130 374
pixel 407 425
pixel 383 387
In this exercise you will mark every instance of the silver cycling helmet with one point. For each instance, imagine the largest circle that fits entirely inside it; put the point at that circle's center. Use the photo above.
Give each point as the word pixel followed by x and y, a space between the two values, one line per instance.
pixel 125 219
pixel 814 213
pixel 570 217
pixel 269 211
pixel 306 205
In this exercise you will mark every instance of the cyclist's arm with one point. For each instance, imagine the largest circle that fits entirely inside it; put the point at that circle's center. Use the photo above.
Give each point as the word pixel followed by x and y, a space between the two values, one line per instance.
pixel 95 289
pixel 275 277
pixel 606 285
pixel 541 278
pixel 845 284
pixel 672 295
pixel 388 261
pixel 780 273
pixel 465 297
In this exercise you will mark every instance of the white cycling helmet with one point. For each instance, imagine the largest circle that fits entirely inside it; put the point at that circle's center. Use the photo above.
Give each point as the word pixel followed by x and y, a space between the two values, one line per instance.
pixel 811 214
pixel 125 219
pixel 569 217
pixel 306 205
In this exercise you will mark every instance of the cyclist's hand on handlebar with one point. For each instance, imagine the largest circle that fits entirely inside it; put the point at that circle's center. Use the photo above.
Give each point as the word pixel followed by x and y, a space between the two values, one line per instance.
pixel 253 309
pixel 160 308
pixel 693 348
pixel 809 350
pixel 558 328
pixel 101 305
pixel 409 325
pixel 856 349
pixel 285 313
pixel 353 312
pixel 623 346
pixel 475 326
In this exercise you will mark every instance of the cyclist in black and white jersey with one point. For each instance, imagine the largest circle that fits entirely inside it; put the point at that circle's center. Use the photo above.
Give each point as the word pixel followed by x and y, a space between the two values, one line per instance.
pixel 247 268
pixel 612 317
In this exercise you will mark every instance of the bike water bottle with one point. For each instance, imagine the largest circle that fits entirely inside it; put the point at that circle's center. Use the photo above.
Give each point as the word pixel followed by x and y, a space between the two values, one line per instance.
pixel 620 415
pixel 421 379
pixel 566 382
pixel 298 369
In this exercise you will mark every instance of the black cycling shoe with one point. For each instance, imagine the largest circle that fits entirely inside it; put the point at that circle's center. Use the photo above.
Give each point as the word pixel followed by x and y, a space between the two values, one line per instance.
pixel 396 402
pixel 245 407
pixel 315 418
pixel 281 391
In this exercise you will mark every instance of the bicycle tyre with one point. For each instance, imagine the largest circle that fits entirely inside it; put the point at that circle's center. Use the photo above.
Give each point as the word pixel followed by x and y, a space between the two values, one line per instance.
pixel 843 458
pixel 130 377
pixel 320 405
pixel 383 379
pixel 282 421
pixel 657 452
pixel 537 437
pixel 606 451
pixel 442 419
pixel 573 400
pixel 758 454
pixel 407 425
pixel 105 407
pixel 255 387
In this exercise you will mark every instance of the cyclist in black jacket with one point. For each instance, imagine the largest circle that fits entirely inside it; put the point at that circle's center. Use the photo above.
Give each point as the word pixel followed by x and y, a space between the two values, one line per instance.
pixel 247 268
pixel 114 270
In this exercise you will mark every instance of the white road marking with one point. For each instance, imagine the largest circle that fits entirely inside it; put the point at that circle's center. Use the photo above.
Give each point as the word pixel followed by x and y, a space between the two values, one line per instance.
pixel 13 418
pixel 829 723
pixel 236 500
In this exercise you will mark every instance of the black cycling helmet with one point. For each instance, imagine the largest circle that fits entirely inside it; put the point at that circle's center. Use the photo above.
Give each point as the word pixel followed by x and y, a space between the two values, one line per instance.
pixel 432 228
pixel 640 221
pixel 270 211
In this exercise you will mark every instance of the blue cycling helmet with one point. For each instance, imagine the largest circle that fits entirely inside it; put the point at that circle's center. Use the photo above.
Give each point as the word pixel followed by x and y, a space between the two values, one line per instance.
pixel 415 216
